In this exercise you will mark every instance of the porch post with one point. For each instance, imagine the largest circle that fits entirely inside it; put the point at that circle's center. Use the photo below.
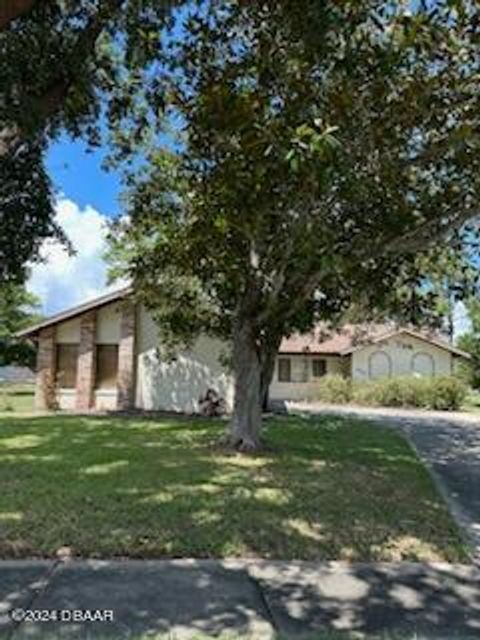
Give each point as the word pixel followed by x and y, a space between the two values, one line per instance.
pixel 45 377
pixel 126 358
pixel 86 362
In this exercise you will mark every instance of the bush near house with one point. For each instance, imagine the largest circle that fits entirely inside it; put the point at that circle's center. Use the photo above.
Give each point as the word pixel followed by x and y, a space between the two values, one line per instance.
pixel 442 393
pixel 334 388
pixel 445 393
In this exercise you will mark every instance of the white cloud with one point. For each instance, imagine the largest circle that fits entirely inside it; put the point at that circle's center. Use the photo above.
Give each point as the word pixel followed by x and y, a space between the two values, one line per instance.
pixel 62 281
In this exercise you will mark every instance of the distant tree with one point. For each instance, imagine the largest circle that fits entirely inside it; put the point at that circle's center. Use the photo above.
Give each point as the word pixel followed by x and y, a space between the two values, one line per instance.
pixel 470 342
pixel 322 147
pixel 428 291
pixel 63 65
pixel 18 309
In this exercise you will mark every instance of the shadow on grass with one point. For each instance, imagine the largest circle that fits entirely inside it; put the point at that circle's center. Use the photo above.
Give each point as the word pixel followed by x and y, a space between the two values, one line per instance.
pixel 330 488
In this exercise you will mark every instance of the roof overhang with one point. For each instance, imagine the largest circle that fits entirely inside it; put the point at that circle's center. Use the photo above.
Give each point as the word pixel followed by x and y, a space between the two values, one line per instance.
pixel 311 352
pixel 69 314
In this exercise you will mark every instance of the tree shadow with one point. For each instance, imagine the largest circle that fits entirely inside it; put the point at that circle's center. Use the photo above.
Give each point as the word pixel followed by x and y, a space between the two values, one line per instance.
pixel 440 601
pixel 144 597
pixel 152 488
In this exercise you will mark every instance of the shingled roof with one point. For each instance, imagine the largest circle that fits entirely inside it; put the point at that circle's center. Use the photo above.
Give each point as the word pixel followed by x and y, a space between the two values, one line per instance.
pixel 352 337
pixel 68 314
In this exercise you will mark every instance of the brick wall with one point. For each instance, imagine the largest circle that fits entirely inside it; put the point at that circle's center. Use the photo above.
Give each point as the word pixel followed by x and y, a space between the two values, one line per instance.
pixel 45 386
pixel 86 362
pixel 126 358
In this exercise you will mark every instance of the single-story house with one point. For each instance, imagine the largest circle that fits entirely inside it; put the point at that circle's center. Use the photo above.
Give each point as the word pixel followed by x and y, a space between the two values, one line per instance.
pixel 105 355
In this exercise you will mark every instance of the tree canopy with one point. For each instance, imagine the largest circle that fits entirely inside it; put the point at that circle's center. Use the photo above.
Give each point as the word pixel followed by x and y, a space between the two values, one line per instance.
pixel 470 342
pixel 65 66
pixel 18 309
pixel 322 146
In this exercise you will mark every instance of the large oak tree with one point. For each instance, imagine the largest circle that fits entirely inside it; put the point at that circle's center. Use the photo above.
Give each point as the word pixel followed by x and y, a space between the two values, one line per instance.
pixel 321 147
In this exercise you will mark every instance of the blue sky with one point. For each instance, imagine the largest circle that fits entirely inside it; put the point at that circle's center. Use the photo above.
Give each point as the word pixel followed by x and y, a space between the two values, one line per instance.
pixel 77 174
pixel 86 199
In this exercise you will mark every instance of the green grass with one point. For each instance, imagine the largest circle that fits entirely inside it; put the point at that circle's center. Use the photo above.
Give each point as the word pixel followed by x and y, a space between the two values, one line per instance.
pixel 327 488
pixel 472 402
pixel 16 398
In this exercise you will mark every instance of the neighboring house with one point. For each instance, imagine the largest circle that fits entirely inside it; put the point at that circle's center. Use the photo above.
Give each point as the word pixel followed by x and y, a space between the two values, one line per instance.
pixel 362 352
pixel 105 355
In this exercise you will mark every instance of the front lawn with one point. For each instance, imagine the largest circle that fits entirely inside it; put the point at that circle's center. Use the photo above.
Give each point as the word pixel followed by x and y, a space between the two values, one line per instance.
pixel 472 401
pixel 327 488
pixel 16 398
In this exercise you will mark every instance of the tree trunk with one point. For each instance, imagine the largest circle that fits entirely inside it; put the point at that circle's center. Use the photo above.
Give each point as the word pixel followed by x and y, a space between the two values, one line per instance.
pixel 268 366
pixel 247 410
pixel 12 9
pixel 10 139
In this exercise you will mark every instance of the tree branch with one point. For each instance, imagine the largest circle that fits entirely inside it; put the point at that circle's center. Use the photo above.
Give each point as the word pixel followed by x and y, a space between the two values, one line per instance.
pixel 53 97
pixel 12 9
pixel 56 92
pixel 428 233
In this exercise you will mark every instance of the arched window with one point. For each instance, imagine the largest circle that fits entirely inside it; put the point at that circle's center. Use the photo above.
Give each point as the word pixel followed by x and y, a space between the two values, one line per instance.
pixel 423 364
pixel 379 365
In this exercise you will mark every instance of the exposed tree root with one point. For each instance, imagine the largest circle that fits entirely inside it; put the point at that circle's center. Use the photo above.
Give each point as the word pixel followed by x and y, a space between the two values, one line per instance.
pixel 244 444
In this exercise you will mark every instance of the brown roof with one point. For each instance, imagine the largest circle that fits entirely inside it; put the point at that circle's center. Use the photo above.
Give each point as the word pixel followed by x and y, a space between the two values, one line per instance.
pixel 68 314
pixel 352 337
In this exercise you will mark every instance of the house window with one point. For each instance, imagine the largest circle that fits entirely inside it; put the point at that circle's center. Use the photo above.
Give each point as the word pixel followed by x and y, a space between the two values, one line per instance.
pixel 107 366
pixel 284 370
pixel 66 366
pixel 319 368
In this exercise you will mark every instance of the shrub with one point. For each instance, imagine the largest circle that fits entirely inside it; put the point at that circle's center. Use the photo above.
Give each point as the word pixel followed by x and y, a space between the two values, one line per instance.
pixel 333 388
pixel 446 393
pixel 443 392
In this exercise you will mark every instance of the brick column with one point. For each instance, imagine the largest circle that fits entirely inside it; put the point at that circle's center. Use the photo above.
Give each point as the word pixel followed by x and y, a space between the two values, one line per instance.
pixel 126 358
pixel 86 362
pixel 45 382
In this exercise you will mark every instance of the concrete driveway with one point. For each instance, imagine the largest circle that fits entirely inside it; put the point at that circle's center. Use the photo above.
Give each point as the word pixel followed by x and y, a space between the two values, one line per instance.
pixel 449 445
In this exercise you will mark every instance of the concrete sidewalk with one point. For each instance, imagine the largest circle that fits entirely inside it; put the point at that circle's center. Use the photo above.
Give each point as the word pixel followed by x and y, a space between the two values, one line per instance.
pixel 254 599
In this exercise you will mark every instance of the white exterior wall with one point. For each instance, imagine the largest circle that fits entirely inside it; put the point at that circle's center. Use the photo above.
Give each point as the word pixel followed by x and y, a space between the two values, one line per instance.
pixel 301 369
pixel 401 350
pixel 66 399
pixel 108 325
pixel 68 332
pixel 177 385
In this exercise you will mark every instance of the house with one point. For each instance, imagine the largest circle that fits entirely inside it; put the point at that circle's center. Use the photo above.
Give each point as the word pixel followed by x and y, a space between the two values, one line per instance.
pixel 106 354
pixel 362 352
